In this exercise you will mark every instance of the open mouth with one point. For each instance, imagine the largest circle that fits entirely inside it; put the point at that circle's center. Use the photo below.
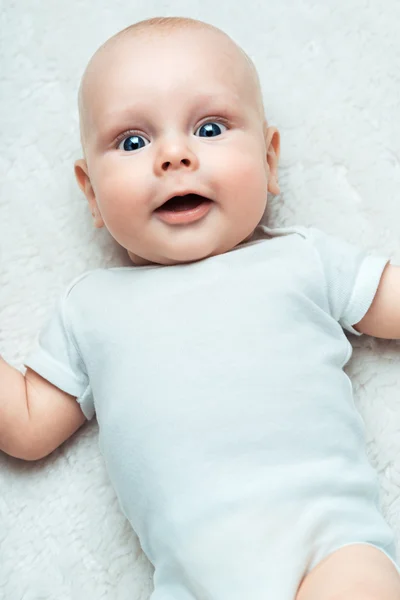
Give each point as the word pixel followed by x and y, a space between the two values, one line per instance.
pixel 183 210
pixel 182 203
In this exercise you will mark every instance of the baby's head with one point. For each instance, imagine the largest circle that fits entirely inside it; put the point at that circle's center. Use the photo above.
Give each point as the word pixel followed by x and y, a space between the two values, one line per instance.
pixel 170 107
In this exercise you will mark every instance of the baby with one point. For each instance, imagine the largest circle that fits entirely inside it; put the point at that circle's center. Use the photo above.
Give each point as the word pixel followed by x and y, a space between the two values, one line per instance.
pixel 213 364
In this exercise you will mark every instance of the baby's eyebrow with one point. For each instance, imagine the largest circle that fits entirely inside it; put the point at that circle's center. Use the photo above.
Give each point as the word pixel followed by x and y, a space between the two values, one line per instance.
pixel 223 97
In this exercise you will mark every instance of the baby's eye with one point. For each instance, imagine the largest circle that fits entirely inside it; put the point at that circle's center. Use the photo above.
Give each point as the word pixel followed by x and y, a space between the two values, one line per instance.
pixel 211 128
pixel 132 142
pixel 135 142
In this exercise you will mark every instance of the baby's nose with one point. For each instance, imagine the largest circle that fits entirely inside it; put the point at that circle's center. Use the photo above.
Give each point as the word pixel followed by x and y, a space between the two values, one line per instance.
pixel 176 154
pixel 183 161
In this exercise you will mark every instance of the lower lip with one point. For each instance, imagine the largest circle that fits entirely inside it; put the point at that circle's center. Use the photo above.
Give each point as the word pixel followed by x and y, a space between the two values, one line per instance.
pixel 184 216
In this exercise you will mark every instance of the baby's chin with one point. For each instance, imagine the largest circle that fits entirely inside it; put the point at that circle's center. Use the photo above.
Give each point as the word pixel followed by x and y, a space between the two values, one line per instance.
pixel 183 256
pixel 174 252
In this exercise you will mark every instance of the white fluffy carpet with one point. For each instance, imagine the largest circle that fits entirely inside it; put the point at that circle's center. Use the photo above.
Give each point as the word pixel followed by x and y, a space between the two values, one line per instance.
pixel 330 75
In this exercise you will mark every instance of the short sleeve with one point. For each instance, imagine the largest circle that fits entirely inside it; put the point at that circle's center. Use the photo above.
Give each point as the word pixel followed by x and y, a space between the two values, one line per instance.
pixel 56 358
pixel 352 277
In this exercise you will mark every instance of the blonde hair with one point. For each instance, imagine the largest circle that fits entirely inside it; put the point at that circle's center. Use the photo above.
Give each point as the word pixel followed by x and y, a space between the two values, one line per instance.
pixel 166 25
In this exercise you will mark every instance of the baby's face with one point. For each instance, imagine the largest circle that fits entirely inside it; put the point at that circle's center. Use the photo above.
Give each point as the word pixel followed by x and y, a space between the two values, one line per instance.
pixel 165 116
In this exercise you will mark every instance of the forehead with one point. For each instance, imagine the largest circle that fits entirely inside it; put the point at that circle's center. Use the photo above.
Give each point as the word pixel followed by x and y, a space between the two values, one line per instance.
pixel 178 66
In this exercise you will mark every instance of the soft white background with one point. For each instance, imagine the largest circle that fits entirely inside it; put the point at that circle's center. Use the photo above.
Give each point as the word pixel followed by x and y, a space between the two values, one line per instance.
pixel 330 75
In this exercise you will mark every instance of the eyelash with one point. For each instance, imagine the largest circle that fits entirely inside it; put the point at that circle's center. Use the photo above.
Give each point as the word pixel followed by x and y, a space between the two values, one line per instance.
pixel 124 135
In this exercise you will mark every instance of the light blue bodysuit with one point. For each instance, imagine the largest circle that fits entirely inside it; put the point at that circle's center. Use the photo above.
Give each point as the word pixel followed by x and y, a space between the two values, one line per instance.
pixel 226 421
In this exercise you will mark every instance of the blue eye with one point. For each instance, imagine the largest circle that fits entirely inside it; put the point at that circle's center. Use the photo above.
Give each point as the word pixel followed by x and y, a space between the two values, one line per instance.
pixel 132 142
pixel 210 128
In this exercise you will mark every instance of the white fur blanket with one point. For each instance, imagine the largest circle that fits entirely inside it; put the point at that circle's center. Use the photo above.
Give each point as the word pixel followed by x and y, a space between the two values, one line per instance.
pixel 330 75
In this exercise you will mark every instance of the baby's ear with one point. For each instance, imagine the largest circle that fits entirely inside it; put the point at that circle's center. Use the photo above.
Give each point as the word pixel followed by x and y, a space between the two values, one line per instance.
pixel 83 179
pixel 272 144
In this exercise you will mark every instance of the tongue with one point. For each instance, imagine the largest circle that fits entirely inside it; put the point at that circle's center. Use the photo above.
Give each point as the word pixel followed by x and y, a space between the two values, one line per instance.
pixel 179 203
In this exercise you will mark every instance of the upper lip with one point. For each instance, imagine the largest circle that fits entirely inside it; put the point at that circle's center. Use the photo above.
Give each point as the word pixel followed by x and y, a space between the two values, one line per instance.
pixel 182 193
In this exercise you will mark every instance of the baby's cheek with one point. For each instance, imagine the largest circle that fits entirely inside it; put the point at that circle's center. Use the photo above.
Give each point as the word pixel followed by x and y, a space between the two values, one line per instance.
pixel 250 159
pixel 249 175
pixel 112 190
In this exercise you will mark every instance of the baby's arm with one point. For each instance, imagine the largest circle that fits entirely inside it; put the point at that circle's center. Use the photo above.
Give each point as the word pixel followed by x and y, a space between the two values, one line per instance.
pixel 35 416
pixel 383 317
